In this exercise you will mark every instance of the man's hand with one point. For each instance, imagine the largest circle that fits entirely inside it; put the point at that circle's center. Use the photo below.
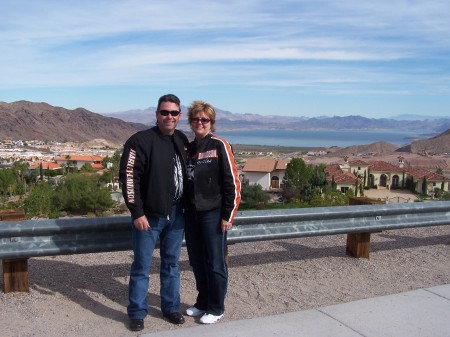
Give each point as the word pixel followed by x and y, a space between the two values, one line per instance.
pixel 141 223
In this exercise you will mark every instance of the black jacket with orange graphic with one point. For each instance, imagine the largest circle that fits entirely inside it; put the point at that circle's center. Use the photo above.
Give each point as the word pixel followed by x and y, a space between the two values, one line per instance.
pixel 216 182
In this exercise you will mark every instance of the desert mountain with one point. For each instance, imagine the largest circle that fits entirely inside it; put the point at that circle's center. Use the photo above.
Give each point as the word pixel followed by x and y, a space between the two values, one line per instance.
pixel 437 144
pixel 235 121
pixel 41 121
pixel 378 147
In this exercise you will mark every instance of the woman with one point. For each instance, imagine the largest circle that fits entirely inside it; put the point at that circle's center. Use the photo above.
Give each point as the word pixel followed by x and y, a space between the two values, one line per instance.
pixel 214 194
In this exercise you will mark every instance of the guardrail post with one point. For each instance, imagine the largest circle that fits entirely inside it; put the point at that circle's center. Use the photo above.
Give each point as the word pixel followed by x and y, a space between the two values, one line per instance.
pixel 358 245
pixel 15 271
pixel 15 275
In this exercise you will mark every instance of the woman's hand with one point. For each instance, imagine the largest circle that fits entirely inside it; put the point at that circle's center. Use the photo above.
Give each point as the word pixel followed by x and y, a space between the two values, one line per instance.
pixel 226 226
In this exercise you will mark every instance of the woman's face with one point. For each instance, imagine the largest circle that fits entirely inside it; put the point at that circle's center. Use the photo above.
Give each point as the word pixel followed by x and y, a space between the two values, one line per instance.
pixel 201 125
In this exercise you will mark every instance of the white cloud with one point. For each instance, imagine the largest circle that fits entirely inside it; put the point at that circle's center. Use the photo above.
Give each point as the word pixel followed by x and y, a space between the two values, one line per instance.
pixel 330 46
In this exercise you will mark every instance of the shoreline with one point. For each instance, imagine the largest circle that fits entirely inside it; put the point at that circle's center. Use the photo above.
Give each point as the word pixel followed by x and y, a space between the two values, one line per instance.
pixel 269 148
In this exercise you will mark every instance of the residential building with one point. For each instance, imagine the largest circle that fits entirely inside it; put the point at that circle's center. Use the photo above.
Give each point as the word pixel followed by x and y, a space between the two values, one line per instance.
pixel 267 172
pixel 46 165
pixel 343 180
pixel 78 161
pixel 426 182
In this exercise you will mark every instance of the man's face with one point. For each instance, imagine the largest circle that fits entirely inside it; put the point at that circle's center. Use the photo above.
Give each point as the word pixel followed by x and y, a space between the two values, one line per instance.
pixel 167 124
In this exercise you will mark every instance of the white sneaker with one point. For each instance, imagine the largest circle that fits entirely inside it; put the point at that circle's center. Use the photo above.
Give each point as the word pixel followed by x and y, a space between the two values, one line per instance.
pixel 209 318
pixel 193 312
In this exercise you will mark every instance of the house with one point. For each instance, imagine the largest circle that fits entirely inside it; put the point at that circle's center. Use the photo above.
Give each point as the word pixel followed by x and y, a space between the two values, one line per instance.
pixel 359 168
pixel 342 179
pixel 387 175
pixel 78 161
pixel 267 172
pixel 46 165
pixel 426 181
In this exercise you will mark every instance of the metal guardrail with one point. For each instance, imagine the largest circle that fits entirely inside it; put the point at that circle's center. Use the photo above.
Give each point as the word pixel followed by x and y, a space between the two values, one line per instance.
pixel 46 237
pixel 304 222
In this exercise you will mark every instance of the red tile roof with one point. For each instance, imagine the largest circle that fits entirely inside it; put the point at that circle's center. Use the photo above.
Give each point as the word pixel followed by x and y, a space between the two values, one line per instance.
pixel 332 168
pixel 260 165
pixel 358 163
pixel 281 164
pixel 45 165
pixel 382 166
pixel 97 166
pixel 342 177
pixel 81 158
pixel 428 175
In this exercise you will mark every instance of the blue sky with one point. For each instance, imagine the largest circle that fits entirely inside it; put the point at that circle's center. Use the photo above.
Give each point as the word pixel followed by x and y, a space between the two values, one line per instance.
pixel 306 58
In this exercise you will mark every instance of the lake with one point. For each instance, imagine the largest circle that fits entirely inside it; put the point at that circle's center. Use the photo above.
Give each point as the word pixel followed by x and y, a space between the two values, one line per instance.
pixel 310 138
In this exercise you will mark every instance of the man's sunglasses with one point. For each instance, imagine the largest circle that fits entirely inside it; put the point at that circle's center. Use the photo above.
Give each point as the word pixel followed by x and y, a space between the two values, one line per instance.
pixel 174 113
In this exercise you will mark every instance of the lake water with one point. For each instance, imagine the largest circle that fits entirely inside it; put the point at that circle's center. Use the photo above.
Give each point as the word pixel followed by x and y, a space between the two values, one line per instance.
pixel 309 138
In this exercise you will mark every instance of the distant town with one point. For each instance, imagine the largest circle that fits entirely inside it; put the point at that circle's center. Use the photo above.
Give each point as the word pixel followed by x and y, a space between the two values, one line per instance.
pixel 34 152
pixel 264 166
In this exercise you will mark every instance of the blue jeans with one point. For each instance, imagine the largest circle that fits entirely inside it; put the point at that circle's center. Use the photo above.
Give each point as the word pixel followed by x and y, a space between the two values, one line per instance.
pixel 206 246
pixel 170 233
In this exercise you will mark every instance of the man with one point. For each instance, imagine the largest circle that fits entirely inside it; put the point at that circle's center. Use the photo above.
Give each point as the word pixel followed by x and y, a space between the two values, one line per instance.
pixel 152 170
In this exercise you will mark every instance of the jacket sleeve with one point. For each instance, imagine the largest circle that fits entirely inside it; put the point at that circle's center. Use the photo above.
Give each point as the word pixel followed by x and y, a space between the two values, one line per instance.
pixel 231 186
pixel 130 175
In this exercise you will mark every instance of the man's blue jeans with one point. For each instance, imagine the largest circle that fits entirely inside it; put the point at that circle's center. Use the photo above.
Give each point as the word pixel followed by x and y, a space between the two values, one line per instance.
pixel 170 233
pixel 206 246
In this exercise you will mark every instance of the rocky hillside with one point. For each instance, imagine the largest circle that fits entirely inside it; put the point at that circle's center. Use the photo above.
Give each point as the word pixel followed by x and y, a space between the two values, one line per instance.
pixel 378 147
pixel 41 121
pixel 438 144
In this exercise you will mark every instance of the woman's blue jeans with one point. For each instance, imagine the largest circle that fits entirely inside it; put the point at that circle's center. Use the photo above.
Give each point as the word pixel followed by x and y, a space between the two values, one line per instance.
pixel 170 233
pixel 206 245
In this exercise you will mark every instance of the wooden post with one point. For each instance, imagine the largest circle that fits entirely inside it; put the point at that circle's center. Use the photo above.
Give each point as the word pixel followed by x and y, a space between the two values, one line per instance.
pixel 12 214
pixel 358 245
pixel 15 271
pixel 364 201
pixel 15 275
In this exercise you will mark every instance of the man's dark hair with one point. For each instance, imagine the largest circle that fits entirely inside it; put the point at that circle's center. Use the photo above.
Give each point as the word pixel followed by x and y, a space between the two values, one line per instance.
pixel 169 98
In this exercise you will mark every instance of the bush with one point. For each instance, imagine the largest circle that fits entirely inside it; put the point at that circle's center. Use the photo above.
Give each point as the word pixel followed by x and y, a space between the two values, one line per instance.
pixel 82 193
pixel 41 202
pixel 253 196
pixel 445 196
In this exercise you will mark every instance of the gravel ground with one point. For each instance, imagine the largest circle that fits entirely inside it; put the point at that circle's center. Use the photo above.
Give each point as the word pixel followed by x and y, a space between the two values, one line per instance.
pixel 86 295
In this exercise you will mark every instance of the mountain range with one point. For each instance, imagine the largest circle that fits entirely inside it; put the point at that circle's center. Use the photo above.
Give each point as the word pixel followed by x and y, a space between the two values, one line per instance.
pixel 41 121
pixel 232 121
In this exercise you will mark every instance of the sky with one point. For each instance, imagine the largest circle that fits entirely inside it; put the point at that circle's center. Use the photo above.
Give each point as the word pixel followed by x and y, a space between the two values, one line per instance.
pixel 312 58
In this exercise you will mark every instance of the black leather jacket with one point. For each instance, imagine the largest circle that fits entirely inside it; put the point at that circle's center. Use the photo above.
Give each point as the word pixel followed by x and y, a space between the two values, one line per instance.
pixel 147 171
pixel 213 179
